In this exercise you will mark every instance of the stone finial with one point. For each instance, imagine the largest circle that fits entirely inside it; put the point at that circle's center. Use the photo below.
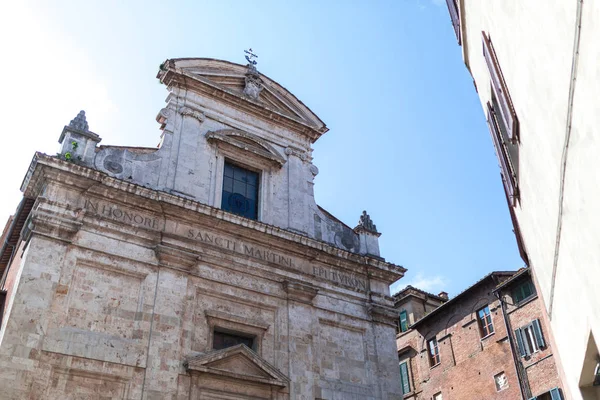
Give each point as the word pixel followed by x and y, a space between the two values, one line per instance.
pixel 366 223
pixel 79 122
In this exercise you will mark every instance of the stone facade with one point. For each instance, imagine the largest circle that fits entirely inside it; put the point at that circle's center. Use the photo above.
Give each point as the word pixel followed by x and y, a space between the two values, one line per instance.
pixel 476 362
pixel 124 272
pixel 542 64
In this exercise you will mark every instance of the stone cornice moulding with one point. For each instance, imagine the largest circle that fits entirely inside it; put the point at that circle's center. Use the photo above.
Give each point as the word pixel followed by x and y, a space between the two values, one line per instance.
pixel 31 186
pixel 294 151
pixel 300 291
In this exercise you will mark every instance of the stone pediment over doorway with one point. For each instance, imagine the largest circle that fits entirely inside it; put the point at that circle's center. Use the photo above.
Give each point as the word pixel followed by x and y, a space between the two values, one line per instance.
pixel 248 142
pixel 240 364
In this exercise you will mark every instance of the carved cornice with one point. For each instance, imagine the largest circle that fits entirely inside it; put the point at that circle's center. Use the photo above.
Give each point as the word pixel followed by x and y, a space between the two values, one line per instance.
pixel 190 112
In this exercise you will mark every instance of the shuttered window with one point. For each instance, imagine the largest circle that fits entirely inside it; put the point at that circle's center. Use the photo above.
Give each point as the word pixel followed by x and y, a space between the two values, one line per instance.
pixel 506 110
pixel 404 380
pixel 403 321
pixel 509 178
pixel 530 338
pixel 523 291
pixel 455 17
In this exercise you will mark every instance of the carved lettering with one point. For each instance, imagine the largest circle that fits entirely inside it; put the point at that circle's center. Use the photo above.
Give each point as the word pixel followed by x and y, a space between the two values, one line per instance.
pixel 115 213
pixel 340 278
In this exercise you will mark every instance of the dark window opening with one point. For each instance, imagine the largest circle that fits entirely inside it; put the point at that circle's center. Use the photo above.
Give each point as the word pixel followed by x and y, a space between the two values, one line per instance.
pixel 485 321
pixel 553 394
pixel 223 340
pixel 240 191
pixel 434 352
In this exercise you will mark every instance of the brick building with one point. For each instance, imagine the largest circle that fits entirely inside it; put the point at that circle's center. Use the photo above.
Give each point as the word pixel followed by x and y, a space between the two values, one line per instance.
pixel 488 342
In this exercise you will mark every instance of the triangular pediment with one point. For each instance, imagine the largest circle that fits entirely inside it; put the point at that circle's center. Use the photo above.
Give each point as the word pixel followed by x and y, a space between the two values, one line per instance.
pixel 231 78
pixel 248 142
pixel 238 362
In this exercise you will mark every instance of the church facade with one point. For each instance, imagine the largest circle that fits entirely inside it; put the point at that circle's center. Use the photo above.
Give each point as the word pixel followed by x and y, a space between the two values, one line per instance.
pixel 201 269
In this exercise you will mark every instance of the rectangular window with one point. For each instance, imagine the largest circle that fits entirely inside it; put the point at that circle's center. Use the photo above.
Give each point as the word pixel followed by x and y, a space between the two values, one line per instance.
pixel 223 340
pixel 2 304
pixel 523 291
pixel 455 17
pixel 506 111
pixel 485 321
pixel 434 352
pixel 403 321
pixel 240 191
pixel 530 338
pixel 404 381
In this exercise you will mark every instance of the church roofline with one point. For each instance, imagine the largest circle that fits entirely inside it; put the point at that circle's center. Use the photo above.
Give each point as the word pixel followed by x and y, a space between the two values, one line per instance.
pixel 376 266
pixel 170 72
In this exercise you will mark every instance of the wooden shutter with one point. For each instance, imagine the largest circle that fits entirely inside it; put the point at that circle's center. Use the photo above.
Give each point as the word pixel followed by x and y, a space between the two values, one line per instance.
pixel 555 394
pixel 454 16
pixel 510 185
pixel 403 321
pixel 520 343
pixel 404 378
pixel 537 332
pixel 507 111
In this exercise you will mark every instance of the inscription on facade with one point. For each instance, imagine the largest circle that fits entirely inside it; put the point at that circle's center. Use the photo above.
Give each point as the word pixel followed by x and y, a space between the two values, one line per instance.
pixel 240 247
pixel 340 278
pixel 113 212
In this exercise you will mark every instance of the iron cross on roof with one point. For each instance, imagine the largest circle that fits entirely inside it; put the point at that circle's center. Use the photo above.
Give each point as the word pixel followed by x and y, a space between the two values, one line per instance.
pixel 250 56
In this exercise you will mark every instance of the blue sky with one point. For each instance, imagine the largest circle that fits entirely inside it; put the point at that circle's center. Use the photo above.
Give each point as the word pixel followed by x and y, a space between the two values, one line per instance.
pixel 407 142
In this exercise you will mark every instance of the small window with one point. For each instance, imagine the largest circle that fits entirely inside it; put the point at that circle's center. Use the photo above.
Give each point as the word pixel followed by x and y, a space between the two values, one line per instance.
pixel 437 396
pixel 240 191
pixel 223 340
pixel 404 380
pixel 530 338
pixel 485 321
pixel 501 381
pixel 434 352
pixel 403 321
pixel 523 291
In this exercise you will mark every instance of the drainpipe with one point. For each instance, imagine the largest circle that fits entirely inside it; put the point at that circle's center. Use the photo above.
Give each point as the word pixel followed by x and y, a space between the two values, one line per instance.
pixel 521 375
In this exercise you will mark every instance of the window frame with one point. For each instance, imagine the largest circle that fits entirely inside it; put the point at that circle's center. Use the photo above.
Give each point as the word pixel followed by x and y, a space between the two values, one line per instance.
pixel 486 328
pixel 259 176
pixel 433 352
